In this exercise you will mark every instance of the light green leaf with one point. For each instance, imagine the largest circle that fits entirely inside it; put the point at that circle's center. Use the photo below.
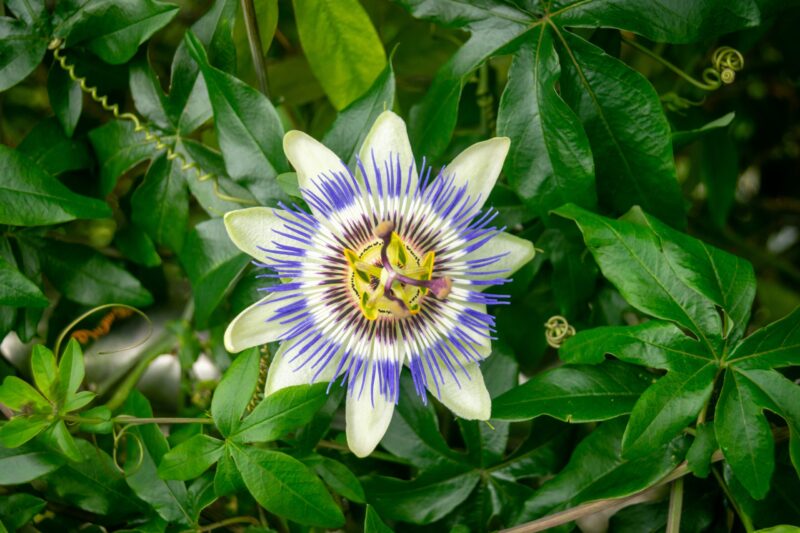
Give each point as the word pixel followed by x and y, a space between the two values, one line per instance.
pixel 59 439
pixel 45 372
pixel 191 458
pixel 281 412
pixel 70 370
pixel 21 429
pixel 235 391
pixel 19 395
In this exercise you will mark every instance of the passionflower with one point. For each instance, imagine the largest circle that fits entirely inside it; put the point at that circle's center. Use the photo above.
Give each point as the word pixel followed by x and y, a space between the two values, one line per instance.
pixel 388 269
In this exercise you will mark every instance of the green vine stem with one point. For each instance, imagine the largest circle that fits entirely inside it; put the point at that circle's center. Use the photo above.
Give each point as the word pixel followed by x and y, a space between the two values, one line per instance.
pixel 675 506
pixel 57 46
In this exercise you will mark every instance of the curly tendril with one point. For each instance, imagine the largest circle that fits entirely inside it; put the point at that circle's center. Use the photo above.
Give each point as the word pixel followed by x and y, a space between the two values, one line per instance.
pixel 57 45
pixel 557 330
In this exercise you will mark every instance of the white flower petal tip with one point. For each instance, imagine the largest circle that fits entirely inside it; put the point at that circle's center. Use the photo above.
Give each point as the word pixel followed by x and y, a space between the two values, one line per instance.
pixel 468 398
pixel 253 327
pixel 479 166
pixel 387 138
pixel 309 157
pixel 251 228
pixel 366 423
pixel 283 372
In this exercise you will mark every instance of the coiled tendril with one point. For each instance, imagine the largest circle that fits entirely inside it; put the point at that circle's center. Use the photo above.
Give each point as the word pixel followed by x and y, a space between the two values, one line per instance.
pixel 57 45
pixel 557 330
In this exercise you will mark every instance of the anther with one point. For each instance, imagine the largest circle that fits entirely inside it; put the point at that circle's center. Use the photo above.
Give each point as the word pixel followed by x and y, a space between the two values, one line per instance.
pixel 384 230
pixel 441 287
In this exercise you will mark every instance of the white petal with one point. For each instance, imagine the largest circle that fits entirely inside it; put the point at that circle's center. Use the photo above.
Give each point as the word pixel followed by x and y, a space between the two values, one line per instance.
pixel 479 166
pixel 284 373
pixel 310 158
pixel 252 327
pixel 388 136
pixel 467 398
pixel 518 252
pixel 367 423
pixel 252 227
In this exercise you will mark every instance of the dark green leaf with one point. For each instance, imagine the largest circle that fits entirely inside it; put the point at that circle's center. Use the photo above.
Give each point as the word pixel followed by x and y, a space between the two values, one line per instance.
pixel 137 246
pixel 776 345
pixel 18 291
pixel 542 454
pixel 669 21
pixel 66 98
pixel 86 277
pixel 191 458
pixel 48 146
pixel 94 484
pixel 235 391
pixel 29 196
pixel 719 170
pixel 341 46
pixel 16 510
pixel 227 479
pixel 112 29
pixel 574 272
pixel 213 265
pixel 250 132
pixel 21 465
pixel 21 50
pixel 146 91
pixel 627 129
pixel 161 203
pixel 285 486
pixel 351 126
pixel 667 407
pixel 580 393
pixel 425 499
pixel 550 161
pixel 684 137
pixel 281 412
pixel 118 148
pixel 597 470
pixel 373 522
pixel 703 447
pixel 337 476
pixel 144 453
pixel 744 435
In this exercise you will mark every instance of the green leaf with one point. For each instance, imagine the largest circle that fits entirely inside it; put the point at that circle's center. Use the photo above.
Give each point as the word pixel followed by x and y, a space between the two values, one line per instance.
pixel 86 277
pixel 188 98
pixel 542 454
pixel 341 45
pixel 103 424
pixel 719 170
pixel 348 131
pixel 59 439
pixel 281 412
pixel 161 203
pixel 22 48
pixel 373 522
pixel 45 372
pixel 16 510
pixel 775 345
pixel 597 471
pixel 684 137
pixel 144 452
pixel 66 98
pixel 118 149
pixel 137 246
pixel 249 129
pixel 70 370
pixel 20 396
pixel 550 161
pixel 633 258
pixel 744 435
pixel 213 264
pixel 48 146
pixel 285 486
pixel 148 97
pixel 191 458
pixel 227 478
pixel 235 391
pixel 18 291
pixel 93 484
pixel 29 196
pixel 78 401
pixel 423 500
pixel 21 429
pixel 337 476
pixel 670 21
pixel 21 465
pixel 667 407
pixel 112 29
pixel 31 266
pixel 580 393
pixel 627 129
pixel 574 273
pixel 703 447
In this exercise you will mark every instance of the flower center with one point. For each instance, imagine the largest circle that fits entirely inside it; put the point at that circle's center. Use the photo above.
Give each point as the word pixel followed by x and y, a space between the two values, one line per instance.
pixel 388 277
